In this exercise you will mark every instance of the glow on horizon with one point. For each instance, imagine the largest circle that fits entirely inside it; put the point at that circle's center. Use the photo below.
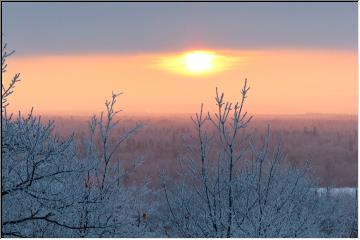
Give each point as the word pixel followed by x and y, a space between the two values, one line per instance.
pixel 281 81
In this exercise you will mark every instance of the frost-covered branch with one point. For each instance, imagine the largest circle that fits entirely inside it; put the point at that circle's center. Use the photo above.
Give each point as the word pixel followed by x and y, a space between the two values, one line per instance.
pixel 6 91
pixel 230 187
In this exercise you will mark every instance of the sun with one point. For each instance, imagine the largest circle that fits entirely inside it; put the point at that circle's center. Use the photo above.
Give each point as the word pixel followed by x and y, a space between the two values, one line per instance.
pixel 199 61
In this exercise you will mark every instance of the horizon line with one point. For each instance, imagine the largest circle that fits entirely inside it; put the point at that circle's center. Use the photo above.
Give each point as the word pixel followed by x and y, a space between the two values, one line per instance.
pixel 124 113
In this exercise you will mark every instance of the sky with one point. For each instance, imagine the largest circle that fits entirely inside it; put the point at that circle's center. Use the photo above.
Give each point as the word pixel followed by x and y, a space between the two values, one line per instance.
pixel 298 57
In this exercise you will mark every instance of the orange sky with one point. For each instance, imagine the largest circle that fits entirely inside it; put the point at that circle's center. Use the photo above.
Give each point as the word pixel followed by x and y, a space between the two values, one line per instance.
pixel 282 82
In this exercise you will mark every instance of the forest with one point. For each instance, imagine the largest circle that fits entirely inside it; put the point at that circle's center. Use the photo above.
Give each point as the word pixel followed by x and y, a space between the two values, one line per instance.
pixel 226 173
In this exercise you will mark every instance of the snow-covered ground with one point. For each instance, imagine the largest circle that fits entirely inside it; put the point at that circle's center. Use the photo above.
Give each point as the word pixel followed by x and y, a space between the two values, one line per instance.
pixel 337 191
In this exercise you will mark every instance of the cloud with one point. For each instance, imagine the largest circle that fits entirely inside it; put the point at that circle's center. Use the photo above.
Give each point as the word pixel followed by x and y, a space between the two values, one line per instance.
pixel 46 28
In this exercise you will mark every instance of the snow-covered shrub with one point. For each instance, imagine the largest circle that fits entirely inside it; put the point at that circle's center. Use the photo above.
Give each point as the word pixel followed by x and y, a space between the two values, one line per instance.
pixel 50 190
pixel 226 186
pixel 109 208
pixel 38 174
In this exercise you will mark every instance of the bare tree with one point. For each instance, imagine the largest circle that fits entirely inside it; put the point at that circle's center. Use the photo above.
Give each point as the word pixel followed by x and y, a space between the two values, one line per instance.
pixel 232 188
pixel 106 202
pixel 38 170
pixel 49 190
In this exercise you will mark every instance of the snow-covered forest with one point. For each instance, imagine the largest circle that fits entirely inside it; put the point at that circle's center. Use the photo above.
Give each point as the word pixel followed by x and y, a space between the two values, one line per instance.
pixel 225 184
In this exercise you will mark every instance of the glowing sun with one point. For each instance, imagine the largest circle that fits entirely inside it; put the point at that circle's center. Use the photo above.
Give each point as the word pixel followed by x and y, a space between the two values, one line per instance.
pixel 199 61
